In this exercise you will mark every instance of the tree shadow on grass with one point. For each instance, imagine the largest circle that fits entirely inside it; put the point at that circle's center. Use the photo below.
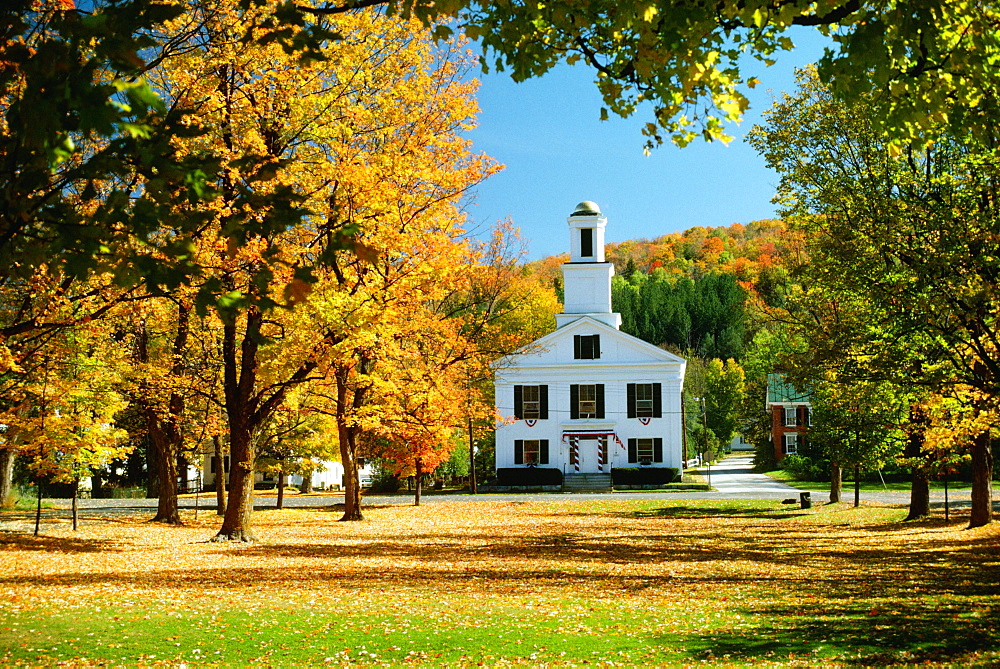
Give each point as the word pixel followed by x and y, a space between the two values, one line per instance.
pixel 722 511
pixel 50 544
pixel 910 632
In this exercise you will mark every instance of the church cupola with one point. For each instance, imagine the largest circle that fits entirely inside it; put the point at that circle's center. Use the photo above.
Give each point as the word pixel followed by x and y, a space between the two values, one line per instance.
pixel 587 277
pixel 586 225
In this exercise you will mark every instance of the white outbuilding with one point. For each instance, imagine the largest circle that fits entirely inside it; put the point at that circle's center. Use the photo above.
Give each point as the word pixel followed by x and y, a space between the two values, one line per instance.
pixel 587 398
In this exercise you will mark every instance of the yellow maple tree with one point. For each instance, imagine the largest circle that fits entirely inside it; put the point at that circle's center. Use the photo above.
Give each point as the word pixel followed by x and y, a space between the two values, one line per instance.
pixel 367 142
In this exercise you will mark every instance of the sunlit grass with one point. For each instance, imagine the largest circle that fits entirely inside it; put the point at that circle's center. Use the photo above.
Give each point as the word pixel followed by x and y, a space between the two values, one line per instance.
pixel 866 486
pixel 645 583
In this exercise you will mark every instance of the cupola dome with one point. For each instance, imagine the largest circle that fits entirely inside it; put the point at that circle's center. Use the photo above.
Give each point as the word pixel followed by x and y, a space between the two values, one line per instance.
pixel 587 208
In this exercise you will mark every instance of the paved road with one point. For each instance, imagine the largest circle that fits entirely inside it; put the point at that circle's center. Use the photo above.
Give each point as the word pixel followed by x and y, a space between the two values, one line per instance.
pixel 734 478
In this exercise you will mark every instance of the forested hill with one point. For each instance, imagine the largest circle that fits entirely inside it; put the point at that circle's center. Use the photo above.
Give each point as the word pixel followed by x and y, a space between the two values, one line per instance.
pixel 688 291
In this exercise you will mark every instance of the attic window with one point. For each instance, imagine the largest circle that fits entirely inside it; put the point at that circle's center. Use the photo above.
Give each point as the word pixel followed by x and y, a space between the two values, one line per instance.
pixel 587 242
pixel 587 347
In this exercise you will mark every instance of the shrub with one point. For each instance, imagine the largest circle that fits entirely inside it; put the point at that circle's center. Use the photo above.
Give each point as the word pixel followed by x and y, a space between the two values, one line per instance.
pixel 528 476
pixel 385 482
pixel 805 468
pixel 643 475
pixel 763 456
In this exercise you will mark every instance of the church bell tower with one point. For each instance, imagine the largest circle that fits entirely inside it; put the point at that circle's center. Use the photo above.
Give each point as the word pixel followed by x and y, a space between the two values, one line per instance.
pixel 587 277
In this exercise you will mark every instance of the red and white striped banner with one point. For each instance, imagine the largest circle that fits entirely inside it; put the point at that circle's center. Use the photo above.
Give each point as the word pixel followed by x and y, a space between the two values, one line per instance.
pixel 575 435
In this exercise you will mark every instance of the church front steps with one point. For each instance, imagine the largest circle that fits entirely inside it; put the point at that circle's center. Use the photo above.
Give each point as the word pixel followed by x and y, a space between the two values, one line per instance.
pixel 586 483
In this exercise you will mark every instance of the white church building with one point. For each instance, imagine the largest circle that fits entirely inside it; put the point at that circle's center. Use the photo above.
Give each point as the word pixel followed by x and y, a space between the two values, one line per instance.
pixel 588 398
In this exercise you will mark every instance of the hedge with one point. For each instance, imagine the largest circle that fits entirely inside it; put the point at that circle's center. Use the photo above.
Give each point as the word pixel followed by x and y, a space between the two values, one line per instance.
pixel 643 475
pixel 528 476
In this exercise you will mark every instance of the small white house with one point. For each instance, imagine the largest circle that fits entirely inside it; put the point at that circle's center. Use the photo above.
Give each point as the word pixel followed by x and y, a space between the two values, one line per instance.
pixel 588 398
pixel 329 477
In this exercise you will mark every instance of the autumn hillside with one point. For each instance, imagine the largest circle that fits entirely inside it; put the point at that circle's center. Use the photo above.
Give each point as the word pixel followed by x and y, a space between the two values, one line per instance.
pixel 756 253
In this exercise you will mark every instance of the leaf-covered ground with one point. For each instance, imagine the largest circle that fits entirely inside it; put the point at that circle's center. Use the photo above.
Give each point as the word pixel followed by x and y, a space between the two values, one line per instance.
pixel 602 582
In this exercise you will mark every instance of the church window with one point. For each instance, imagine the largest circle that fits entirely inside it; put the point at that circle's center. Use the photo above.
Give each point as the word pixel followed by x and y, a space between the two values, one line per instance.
pixel 586 347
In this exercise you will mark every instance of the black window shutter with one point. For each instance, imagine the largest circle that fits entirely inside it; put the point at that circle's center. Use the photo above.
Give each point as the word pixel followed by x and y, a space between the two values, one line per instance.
pixel 657 401
pixel 518 452
pixel 630 397
pixel 543 452
pixel 576 347
pixel 574 401
pixel 633 453
pixel 657 449
pixel 543 402
pixel 597 347
pixel 518 404
pixel 600 400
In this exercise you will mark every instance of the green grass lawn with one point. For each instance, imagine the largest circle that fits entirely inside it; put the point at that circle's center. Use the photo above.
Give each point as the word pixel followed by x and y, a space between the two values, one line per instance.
pixel 645 583
pixel 866 486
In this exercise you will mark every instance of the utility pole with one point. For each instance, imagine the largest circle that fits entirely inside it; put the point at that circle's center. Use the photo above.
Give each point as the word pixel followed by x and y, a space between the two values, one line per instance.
pixel 704 425
pixel 472 459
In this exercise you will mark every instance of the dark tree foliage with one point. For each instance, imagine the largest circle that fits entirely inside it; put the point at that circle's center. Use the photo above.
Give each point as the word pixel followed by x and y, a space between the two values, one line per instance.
pixel 706 316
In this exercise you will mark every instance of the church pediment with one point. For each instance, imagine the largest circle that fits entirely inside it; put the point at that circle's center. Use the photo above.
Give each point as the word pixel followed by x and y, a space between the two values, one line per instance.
pixel 602 344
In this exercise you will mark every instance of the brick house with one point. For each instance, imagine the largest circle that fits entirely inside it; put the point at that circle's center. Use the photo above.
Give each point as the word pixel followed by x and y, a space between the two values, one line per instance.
pixel 791 415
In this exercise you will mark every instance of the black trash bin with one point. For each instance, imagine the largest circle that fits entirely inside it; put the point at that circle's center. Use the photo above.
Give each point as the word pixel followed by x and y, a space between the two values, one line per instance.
pixel 805 502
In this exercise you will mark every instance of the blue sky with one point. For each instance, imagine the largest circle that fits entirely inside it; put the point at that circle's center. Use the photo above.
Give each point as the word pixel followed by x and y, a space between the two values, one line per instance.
pixel 557 152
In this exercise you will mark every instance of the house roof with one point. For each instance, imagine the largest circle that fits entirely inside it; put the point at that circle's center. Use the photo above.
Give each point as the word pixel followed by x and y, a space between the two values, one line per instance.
pixel 780 391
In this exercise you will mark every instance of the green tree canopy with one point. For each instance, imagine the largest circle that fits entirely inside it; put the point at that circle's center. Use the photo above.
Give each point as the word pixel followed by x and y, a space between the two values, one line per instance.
pixel 900 283
pixel 931 61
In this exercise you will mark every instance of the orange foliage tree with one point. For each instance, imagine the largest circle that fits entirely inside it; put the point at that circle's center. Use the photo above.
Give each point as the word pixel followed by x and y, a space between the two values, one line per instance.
pixel 366 141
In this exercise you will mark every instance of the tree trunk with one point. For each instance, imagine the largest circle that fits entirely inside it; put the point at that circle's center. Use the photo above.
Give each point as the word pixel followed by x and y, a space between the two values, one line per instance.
pixel 153 474
pixel 97 485
pixel 836 482
pixel 982 481
pixel 165 432
pixel 246 410
pixel 38 508
pixel 920 489
pixel 76 506
pixel 239 382
pixel 472 461
pixel 167 506
pixel 920 495
pixel 239 379
pixel 236 523
pixel 307 483
pixel 281 489
pixel 352 487
pixel 857 485
pixel 420 485
pixel 349 433
pixel 184 483
pixel 220 476
pixel 7 500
